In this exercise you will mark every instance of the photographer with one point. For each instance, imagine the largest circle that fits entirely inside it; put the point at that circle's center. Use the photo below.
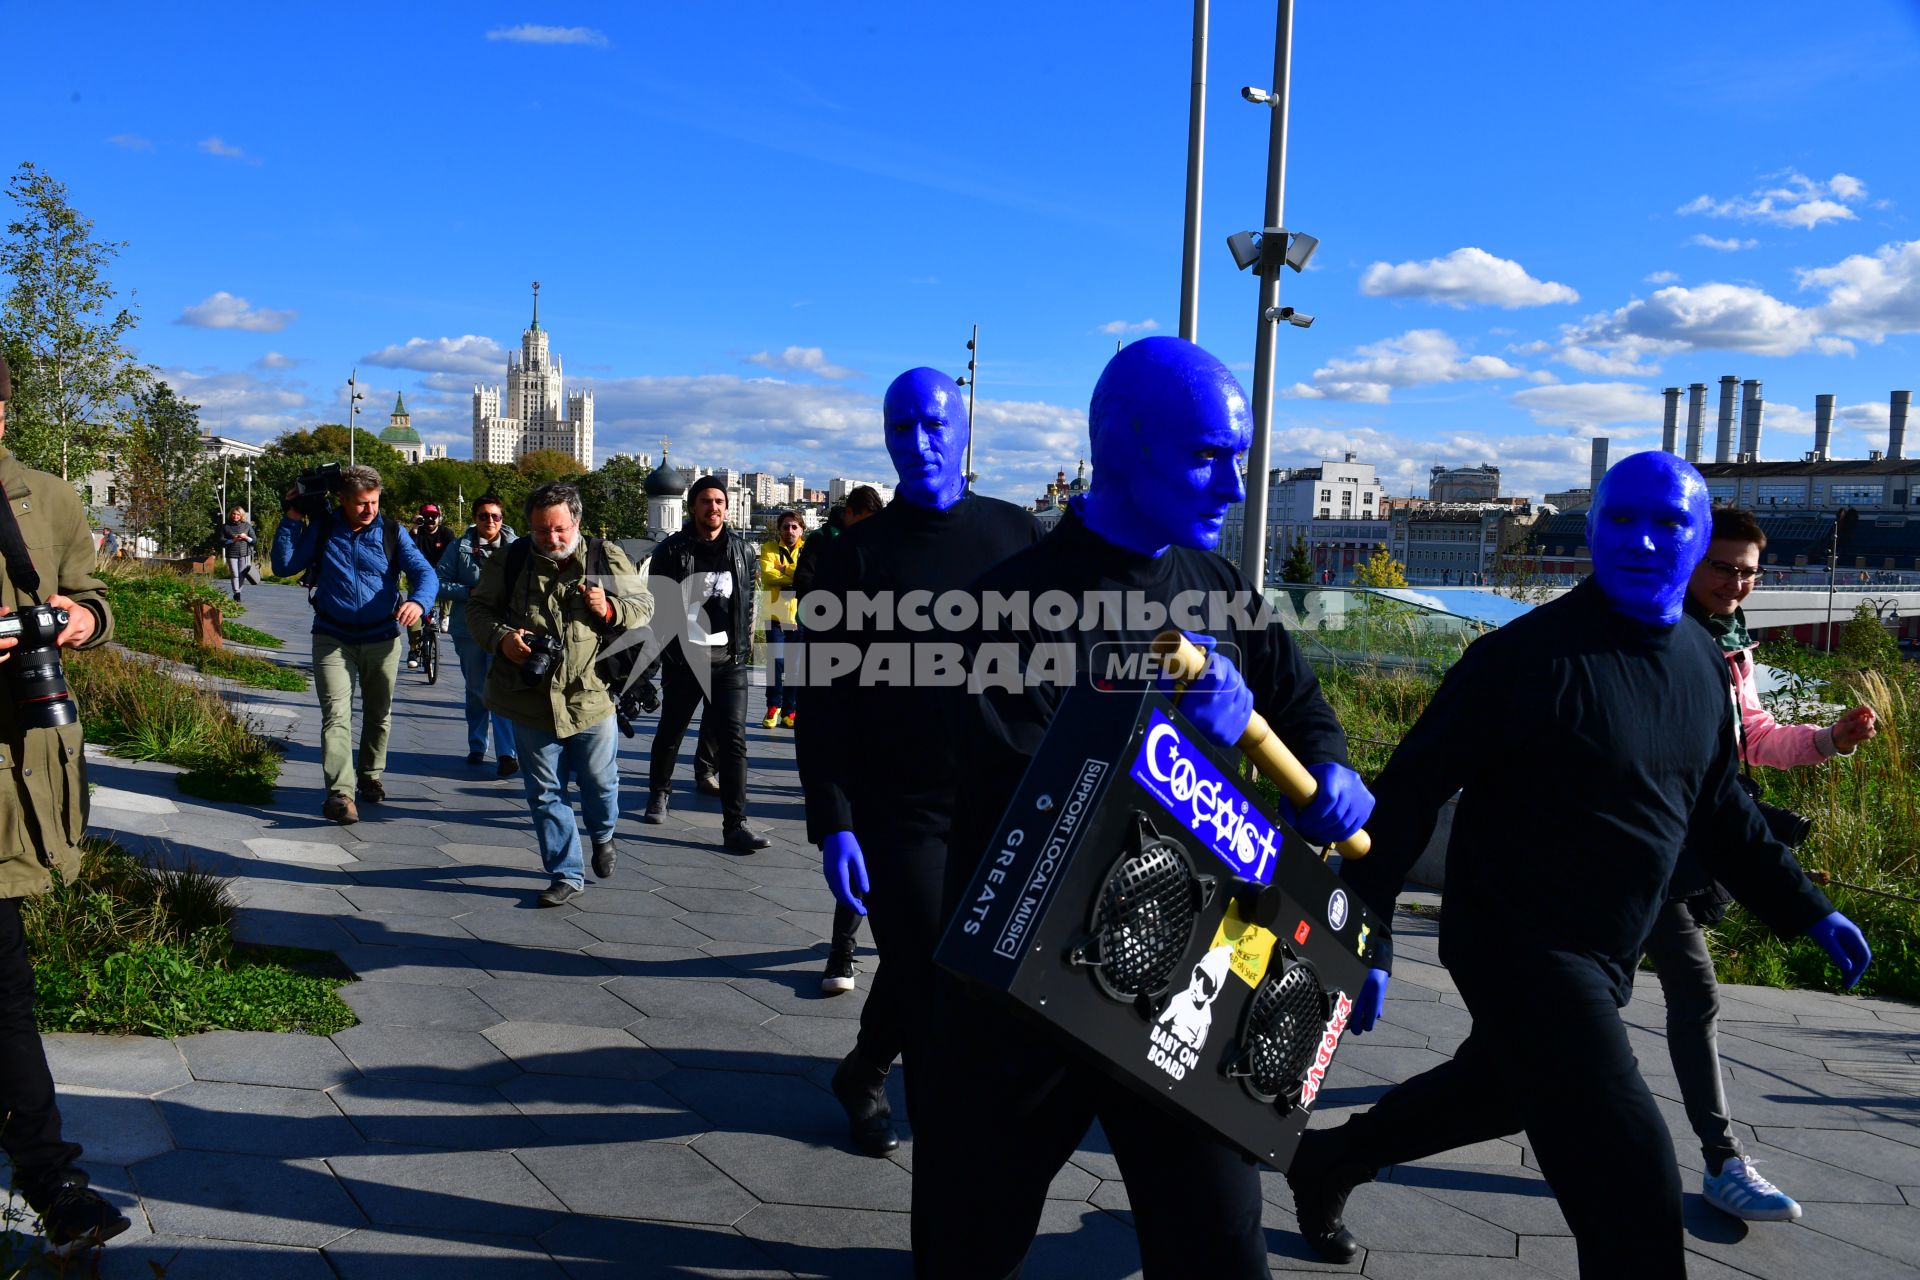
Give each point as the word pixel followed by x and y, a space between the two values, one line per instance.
pixel 459 569
pixel 352 556
pixel 1677 946
pixel 546 606
pixel 46 777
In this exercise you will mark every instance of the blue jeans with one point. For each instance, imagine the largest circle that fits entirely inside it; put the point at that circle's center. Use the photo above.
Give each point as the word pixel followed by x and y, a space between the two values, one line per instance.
pixel 474 662
pixel 780 696
pixel 591 760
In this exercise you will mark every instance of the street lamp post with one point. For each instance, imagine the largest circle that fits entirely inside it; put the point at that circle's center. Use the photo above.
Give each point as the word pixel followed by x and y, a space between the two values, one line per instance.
pixel 970 382
pixel 353 413
pixel 1196 149
pixel 249 491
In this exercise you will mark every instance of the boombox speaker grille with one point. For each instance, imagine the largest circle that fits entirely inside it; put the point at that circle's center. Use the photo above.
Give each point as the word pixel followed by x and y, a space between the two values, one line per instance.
pixel 1284 1024
pixel 1143 917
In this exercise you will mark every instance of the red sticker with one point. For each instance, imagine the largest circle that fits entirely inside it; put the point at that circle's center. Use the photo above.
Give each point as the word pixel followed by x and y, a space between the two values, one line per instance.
pixel 1300 933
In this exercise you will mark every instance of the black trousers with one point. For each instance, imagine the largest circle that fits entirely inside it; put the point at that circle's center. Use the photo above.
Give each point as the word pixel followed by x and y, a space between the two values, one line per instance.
pixel 30 1133
pixel 725 717
pixel 1548 1055
pixel 905 871
pixel 1004 1109
pixel 1679 953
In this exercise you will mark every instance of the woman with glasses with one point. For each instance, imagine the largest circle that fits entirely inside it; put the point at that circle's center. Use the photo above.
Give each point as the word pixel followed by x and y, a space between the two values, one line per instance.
pixel 1677 946
pixel 459 569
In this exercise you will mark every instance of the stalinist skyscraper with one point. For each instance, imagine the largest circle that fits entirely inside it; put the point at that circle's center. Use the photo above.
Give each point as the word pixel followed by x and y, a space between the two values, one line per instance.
pixel 536 415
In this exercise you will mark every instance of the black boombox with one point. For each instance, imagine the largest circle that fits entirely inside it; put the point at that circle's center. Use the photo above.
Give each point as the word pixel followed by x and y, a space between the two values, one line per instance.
pixel 1142 899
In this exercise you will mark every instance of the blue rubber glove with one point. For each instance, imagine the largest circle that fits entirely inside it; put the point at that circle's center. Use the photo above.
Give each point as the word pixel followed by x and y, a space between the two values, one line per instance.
pixel 1841 939
pixel 846 870
pixel 1339 808
pixel 1218 703
pixel 1371 1004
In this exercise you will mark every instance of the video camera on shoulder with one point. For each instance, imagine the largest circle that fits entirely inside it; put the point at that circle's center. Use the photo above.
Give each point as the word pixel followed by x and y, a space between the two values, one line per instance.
pixel 311 489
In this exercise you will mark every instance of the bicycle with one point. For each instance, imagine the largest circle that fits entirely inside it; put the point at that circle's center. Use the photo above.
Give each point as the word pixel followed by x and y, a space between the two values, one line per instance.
pixel 426 646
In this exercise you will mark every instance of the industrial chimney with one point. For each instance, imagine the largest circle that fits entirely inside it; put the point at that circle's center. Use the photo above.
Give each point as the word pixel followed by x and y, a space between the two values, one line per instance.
pixel 1670 423
pixel 1897 425
pixel 1752 407
pixel 1822 427
pixel 1599 465
pixel 1696 412
pixel 1724 450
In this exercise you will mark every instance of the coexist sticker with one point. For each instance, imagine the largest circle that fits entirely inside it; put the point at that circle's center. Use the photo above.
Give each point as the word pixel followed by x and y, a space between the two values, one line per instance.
pixel 1179 775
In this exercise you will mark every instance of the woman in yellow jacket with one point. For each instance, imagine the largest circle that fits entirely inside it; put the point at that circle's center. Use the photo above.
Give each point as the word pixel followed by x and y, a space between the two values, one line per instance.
pixel 779 555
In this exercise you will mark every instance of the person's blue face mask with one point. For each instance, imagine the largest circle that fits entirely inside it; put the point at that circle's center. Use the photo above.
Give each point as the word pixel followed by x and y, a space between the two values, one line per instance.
pixel 1648 529
pixel 1170 425
pixel 926 430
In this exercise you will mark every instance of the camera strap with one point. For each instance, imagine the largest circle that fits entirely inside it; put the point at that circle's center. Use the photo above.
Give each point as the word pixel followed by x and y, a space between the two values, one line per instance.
pixel 13 546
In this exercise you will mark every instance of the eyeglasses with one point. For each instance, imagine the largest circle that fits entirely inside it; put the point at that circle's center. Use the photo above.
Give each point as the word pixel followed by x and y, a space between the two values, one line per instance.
pixel 1738 572
pixel 488 516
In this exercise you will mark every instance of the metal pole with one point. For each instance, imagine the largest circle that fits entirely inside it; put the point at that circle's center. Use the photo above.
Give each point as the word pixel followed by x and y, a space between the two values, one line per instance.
pixel 1833 578
pixel 249 491
pixel 223 488
pixel 972 380
pixel 1253 555
pixel 353 411
pixel 1196 149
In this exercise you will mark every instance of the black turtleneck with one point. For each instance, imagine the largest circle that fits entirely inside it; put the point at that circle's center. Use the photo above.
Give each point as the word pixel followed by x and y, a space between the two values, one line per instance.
pixel 1004 729
pixel 1586 747
pixel 880 758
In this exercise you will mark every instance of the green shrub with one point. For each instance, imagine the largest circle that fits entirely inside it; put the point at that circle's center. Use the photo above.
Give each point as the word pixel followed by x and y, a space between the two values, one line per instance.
pixel 139 711
pixel 153 613
pixel 129 948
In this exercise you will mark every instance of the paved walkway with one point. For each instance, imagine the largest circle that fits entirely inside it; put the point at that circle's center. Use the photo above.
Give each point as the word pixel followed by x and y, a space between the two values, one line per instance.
pixel 637 1087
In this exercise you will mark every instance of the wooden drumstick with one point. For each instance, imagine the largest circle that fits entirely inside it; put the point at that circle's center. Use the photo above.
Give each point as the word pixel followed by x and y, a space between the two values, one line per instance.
pixel 1184 661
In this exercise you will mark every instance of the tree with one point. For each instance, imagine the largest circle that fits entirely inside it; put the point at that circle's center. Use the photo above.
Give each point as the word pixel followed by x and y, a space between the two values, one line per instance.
pixel 1380 570
pixel 64 334
pixel 1866 643
pixel 615 497
pixel 162 470
pixel 543 465
pixel 1298 566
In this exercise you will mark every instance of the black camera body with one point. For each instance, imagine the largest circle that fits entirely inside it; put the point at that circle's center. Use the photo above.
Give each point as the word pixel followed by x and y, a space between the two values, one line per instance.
pixel 539 664
pixel 34 675
pixel 311 489
pixel 1789 828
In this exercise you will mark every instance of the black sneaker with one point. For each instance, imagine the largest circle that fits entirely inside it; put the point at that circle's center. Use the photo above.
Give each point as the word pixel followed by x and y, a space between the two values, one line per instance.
pixel 75 1218
pixel 559 894
pixel 603 859
pixel 656 809
pixel 863 1093
pixel 707 784
pixel 509 765
pixel 1321 1184
pixel 372 791
pixel 743 840
pixel 839 975
pixel 476 757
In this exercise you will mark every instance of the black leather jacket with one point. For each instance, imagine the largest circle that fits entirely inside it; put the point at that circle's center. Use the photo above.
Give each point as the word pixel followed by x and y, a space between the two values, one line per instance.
pixel 674 559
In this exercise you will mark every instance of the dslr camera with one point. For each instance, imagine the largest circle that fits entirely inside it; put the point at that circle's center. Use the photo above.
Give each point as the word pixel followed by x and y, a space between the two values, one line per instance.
pixel 34 676
pixel 311 489
pixel 539 664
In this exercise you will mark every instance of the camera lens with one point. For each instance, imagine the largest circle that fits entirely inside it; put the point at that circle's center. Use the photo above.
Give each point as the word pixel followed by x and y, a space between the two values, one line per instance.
pixel 34 676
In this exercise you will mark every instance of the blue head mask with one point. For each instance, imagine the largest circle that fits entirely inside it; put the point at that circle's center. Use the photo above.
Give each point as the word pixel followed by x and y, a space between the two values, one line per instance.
pixel 926 429
pixel 1169 425
pixel 1648 529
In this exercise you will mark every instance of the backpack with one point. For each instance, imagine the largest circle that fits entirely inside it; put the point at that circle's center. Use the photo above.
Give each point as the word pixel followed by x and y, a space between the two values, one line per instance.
pixel 615 669
pixel 389 541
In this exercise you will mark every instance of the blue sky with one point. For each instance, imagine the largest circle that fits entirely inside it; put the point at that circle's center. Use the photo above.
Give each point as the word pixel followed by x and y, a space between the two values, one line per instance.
pixel 748 218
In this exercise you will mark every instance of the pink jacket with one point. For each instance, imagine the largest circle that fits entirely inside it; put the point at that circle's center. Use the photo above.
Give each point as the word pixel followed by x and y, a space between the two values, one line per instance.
pixel 1768 741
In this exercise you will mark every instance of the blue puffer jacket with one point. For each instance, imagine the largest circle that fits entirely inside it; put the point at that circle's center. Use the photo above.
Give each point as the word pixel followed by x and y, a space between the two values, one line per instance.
pixel 358 591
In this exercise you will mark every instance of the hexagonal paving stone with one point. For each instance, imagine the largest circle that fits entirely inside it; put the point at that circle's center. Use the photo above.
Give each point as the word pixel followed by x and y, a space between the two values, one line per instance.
pixel 839 1242
pixel 581 1109
pixel 439 1255
pixel 264 1057
pixel 256 1119
pixel 448 1191
pixel 655 1180
pixel 123 1064
pixel 573 1003
pixel 305 852
pixel 524 926
pixel 437 1054
pixel 114 1128
pixel 759 1103
pixel 415 1113
pixel 406 1004
pixel 423 965
pixel 605 1249
pixel 185 1258
pixel 503 961
pixel 783 1170
pixel 553 1049
pixel 236 1197
pixel 677 998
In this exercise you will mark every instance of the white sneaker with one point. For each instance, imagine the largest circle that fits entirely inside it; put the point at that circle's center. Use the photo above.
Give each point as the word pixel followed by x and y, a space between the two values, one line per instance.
pixel 1738 1190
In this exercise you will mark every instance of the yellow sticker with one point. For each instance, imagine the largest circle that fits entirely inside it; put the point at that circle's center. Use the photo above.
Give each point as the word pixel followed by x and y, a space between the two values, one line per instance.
pixel 1252 945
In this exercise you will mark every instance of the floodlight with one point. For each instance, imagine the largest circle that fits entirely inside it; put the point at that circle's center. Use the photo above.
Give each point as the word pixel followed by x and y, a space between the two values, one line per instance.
pixel 1245 246
pixel 1300 250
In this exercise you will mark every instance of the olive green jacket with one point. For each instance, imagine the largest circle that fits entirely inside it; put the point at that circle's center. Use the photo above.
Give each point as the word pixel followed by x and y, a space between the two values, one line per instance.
pixel 547 600
pixel 43 772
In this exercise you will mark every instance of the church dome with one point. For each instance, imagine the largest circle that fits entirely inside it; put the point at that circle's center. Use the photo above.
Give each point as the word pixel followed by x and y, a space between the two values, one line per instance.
pixel 666 482
pixel 399 437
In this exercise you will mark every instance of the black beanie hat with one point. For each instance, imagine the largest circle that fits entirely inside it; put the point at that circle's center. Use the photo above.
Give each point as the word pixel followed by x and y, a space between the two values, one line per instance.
pixel 705 482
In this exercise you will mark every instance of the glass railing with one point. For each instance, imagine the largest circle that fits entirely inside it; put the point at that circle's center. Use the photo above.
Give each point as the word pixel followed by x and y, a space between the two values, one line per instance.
pixel 1394 628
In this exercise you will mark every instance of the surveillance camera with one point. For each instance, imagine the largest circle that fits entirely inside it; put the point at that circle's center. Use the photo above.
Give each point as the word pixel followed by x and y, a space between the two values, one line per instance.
pixel 1254 95
pixel 1300 250
pixel 1295 318
pixel 1245 246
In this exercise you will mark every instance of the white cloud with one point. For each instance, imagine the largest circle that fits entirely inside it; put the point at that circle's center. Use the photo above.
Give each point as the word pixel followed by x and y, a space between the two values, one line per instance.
pixel 131 141
pixel 468 354
pixel 1530 464
pixel 1663 277
pixel 1589 406
pixel 802 360
pixel 1604 364
pixel 1730 245
pixel 1464 278
pixel 532 33
pixel 274 360
pixel 1870 295
pixel 1417 357
pixel 216 146
pixel 1721 317
pixel 1799 201
pixel 223 310
pixel 1120 328
pixel 244 404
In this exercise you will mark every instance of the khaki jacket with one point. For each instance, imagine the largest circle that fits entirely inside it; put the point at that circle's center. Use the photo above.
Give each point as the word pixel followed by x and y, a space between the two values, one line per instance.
pixel 43 772
pixel 547 600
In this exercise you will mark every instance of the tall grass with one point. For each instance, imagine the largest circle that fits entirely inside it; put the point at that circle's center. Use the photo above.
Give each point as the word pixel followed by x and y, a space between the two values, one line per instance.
pixel 153 613
pixel 137 710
